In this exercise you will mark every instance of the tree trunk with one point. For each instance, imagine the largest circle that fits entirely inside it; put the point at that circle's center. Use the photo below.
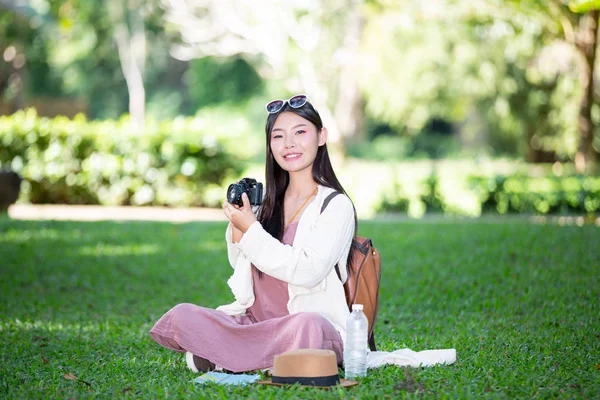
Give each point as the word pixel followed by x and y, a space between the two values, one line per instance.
pixel 349 109
pixel 586 43
pixel 318 97
pixel 137 92
pixel 132 55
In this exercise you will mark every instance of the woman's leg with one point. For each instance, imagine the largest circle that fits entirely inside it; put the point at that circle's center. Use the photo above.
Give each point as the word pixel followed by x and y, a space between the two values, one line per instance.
pixel 239 344
pixel 191 328
pixel 292 332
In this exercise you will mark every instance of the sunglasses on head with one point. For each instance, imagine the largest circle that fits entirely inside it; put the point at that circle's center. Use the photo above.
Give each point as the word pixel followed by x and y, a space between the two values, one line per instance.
pixel 296 101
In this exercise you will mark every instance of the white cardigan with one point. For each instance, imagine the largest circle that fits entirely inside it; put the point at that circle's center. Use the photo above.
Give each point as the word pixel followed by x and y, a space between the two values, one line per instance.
pixel 321 242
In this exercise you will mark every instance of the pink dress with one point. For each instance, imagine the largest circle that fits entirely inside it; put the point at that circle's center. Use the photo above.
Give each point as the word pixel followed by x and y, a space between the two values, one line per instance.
pixel 251 341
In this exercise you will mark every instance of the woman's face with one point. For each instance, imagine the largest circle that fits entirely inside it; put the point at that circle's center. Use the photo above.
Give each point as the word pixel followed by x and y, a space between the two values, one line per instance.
pixel 295 141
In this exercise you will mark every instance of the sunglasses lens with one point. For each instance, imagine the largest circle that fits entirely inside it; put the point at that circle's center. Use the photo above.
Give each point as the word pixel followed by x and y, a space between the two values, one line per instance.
pixel 274 106
pixel 297 101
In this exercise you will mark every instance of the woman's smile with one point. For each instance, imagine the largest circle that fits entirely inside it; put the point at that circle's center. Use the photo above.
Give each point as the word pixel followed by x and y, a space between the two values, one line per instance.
pixel 292 156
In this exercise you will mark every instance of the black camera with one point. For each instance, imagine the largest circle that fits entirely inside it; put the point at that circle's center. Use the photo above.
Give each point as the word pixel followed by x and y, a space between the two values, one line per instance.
pixel 253 189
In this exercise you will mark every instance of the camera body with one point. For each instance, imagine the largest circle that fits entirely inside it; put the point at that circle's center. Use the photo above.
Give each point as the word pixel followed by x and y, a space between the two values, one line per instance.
pixel 250 186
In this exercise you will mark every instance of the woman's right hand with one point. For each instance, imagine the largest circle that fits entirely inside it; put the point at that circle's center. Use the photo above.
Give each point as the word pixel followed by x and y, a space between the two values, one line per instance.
pixel 236 234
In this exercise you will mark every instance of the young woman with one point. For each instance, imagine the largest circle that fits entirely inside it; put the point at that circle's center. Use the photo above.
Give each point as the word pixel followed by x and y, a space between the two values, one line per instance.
pixel 287 292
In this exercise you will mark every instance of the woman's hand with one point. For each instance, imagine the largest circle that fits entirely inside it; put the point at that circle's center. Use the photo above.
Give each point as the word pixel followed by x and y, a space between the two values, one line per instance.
pixel 240 217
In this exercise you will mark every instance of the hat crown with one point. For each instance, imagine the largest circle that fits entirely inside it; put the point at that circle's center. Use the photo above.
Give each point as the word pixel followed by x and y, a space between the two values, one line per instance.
pixel 305 363
pixel 308 367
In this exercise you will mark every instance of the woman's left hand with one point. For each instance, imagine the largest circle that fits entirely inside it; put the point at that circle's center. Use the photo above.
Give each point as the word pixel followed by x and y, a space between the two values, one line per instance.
pixel 240 217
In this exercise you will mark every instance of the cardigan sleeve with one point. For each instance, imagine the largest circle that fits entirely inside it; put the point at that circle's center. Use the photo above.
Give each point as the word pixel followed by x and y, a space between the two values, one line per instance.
pixel 233 250
pixel 308 265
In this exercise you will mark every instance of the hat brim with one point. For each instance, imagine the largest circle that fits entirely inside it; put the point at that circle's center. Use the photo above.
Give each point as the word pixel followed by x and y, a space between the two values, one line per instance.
pixel 343 383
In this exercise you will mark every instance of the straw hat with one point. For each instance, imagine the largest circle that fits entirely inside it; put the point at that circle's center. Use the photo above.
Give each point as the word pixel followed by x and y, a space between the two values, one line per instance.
pixel 308 367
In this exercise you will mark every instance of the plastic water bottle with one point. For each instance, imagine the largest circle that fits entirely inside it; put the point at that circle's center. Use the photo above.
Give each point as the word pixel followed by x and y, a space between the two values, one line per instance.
pixel 355 350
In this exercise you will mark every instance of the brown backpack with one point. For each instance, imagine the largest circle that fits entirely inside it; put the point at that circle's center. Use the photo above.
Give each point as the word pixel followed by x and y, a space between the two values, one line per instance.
pixel 364 276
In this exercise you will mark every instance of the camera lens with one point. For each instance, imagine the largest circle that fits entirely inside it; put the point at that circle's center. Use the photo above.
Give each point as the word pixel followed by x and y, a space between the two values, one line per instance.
pixel 234 194
pixel 231 196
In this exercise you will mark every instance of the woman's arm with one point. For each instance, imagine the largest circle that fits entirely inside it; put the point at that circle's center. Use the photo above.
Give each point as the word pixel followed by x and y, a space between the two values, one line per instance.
pixel 310 264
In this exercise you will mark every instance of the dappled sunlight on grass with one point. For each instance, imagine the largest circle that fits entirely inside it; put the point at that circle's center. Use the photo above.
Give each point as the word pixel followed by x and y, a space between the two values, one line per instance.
pixel 566 220
pixel 104 249
pixel 212 245
pixel 53 326
pixel 25 235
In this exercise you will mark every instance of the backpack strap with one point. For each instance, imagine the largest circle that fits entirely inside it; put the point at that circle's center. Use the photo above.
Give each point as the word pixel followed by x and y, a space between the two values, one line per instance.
pixel 325 203
pixel 327 200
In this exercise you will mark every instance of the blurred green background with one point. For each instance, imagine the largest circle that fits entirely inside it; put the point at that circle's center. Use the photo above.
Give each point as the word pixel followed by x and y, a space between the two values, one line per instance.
pixel 460 107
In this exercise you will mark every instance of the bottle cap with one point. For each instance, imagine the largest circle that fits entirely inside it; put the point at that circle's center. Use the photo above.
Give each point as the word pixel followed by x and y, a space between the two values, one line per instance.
pixel 357 307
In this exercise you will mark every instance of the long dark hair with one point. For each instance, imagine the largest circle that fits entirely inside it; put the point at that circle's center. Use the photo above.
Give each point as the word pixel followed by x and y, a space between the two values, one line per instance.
pixel 277 179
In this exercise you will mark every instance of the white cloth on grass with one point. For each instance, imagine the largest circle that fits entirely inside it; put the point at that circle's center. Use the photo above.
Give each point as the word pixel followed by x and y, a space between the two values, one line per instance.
pixel 410 358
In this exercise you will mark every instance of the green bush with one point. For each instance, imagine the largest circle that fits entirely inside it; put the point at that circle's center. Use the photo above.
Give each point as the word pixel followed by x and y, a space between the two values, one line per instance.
pixel 394 147
pixel 538 195
pixel 432 198
pixel 502 194
pixel 396 202
pixel 173 163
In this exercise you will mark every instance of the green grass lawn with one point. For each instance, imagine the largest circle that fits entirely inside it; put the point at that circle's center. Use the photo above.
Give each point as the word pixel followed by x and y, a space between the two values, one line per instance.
pixel 519 302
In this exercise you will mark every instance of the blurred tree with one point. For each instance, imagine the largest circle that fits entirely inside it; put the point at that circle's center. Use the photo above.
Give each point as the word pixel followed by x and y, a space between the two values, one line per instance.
pixel 575 21
pixel 507 61
pixel 215 81
pixel 89 35
pixel 77 48
pixel 587 42
pixel 523 70
pixel 531 107
pixel 310 46
pixel 16 37
pixel 129 32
